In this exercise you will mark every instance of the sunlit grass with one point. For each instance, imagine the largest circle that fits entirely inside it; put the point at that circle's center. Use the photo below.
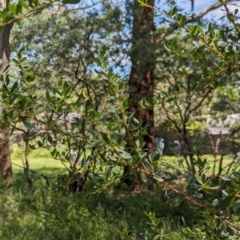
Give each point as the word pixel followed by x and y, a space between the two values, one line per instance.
pixel 108 213
pixel 41 160
pixel 177 166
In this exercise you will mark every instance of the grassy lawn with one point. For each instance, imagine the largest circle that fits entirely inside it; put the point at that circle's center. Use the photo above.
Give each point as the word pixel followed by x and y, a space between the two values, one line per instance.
pixel 108 214
pixel 100 212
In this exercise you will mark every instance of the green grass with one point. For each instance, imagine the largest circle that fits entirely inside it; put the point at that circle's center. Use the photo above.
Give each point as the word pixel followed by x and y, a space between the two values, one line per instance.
pixel 40 164
pixel 174 164
pixel 96 214
pixel 41 160
pixel 44 215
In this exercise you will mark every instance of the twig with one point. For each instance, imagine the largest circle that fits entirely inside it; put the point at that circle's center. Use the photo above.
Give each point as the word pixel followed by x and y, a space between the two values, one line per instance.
pixel 27 170
pixel 233 227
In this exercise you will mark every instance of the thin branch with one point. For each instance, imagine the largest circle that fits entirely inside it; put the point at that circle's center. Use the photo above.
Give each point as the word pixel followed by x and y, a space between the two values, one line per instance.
pixel 227 223
pixel 200 102
pixel 191 19
pixel 27 170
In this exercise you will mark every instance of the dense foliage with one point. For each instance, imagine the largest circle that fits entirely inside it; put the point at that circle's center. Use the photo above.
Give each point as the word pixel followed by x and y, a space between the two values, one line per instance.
pixel 68 97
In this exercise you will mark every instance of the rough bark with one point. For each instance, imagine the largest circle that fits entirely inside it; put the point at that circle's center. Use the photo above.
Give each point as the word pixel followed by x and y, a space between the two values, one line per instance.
pixel 5 161
pixel 141 81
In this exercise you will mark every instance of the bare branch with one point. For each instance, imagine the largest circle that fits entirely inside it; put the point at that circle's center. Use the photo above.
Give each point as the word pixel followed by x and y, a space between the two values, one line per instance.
pixel 201 101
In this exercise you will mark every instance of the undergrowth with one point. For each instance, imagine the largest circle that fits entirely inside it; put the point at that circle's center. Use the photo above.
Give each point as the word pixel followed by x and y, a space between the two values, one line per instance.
pixel 110 214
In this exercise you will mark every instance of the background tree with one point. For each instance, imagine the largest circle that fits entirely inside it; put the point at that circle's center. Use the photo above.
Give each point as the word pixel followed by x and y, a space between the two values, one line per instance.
pixel 145 41
pixel 5 162
pixel 184 115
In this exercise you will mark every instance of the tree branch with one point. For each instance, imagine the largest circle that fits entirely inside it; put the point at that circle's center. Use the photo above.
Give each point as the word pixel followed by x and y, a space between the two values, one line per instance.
pixel 191 19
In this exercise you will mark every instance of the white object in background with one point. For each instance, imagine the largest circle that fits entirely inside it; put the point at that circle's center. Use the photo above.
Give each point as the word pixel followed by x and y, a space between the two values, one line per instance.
pixel 73 155
pixel 160 145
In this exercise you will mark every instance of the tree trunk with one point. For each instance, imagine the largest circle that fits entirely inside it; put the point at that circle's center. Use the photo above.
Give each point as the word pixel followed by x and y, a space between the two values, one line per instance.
pixel 141 82
pixel 143 58
pixel 5 161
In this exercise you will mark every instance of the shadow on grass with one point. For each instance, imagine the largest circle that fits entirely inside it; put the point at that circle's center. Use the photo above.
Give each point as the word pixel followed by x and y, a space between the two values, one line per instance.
pixel 110 214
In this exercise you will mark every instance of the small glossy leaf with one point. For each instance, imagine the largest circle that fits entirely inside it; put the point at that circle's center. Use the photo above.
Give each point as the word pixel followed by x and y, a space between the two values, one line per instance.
pixel 124 154
pixel 30 78
pixel 137 142
pixel 226 178
pixel 14 87
pixel 23 4
pixel 12 8
pixel 215 202
pixel 158 178
pixel 198 178
pixel 40 144
pixel 215 187
pixel 71 1
pixel 19 8
pixel 157 237
pixel 26 123
pixel 143 177
pixel 105 137
pixel 156 156
pixel 48 97
pixel 35 2
pixel 50 140
pixel 103 51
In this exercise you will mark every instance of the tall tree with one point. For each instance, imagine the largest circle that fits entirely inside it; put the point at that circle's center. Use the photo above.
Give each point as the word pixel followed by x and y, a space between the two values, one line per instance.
pixel 5 161
pixel 141 81
pixel 143 59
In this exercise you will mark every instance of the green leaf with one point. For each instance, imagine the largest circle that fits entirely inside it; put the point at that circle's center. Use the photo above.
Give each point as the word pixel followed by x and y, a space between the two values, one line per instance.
pixel 135 120
pixel 103 51
pixel 104 64
pixel 71 1
pixel 226 202
pixel 14 87
pixel 19 8
pixel 48 97
pixel 157 237
pixel 23 4
pixel 40 144
pixel 66 90
pixel 226 178
pixel 26 123
pixel 12 8
pixel 158 178
pixel 32 146
pixel 30 78
pixel 156 155
pixel 35 2
pixel 215 202
pixel 93 145
pixel 215 187
pixel 137 142
pixel 170 99
pixel 183 20
pixel 49 138
pixel 105 137
pixel 198 178
pixel 172 12
pixel 143 177
pixel 30 3
pixel 124 154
